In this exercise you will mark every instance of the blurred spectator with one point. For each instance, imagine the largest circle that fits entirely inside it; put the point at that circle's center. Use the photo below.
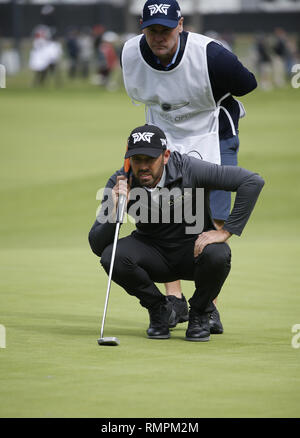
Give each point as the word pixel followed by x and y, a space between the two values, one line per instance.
pixel 108 59
pixel 86 52
pixel 45 56
pixel 263 62
pixel 98 31
pixel 283 58
pixel 55 51
pixel 39 57
pixel 72 48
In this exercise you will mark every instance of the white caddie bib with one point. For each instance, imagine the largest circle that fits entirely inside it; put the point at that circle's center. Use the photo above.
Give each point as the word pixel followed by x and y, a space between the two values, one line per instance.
pixel 179 101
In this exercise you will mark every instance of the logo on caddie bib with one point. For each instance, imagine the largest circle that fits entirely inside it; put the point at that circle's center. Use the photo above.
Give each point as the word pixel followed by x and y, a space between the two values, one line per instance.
pixel 162 8
pixel 142 136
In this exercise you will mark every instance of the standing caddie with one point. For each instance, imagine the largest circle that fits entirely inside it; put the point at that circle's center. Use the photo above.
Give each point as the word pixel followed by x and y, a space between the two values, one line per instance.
pixel 187 82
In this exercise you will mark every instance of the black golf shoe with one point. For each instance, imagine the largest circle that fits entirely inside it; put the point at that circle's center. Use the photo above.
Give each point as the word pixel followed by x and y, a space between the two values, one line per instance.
pixel 159 320
pixel 181 311
pixel 216 327
pixel 198 328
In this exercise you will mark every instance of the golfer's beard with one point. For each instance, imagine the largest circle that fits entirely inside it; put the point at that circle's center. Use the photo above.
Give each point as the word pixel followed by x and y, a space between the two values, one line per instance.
pixel 155 177
pixel 141 182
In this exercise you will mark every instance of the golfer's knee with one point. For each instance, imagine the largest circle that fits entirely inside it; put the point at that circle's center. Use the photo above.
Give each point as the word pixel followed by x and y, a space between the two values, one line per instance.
pixel 217 255
pixel 106 258
pixel 123 262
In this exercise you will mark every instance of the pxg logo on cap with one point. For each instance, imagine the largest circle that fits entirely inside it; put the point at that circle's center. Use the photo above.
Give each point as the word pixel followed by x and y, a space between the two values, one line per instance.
pixel 167 13
pixel 142 136
pixel 161 8
pixel 146 140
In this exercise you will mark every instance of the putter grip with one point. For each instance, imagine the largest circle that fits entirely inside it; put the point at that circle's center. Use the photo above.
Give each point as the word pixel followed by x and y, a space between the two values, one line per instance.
pixel 121 209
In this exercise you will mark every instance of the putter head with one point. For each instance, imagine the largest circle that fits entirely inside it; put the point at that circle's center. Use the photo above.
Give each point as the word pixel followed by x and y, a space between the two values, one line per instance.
pixel 108 341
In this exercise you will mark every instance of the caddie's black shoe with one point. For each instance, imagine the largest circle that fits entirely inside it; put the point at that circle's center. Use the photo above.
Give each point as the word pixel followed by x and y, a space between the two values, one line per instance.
pixel 216 327
pixel 181 311
pixel 159 320
pixel 198 328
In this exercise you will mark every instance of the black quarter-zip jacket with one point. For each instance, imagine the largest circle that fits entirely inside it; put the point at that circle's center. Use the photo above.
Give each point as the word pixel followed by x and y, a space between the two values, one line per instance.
pixel 184 172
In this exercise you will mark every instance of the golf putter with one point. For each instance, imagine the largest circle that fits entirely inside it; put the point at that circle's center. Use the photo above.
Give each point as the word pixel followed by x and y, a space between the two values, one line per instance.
pixel 120 213
pixel 112 340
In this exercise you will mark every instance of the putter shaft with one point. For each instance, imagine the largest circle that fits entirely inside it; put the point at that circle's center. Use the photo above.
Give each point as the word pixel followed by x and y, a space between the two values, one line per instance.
pixel 109 277
pixel 119 220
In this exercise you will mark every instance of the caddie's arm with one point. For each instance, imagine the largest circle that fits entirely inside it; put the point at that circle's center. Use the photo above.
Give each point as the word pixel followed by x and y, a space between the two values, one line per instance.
pixel 227 73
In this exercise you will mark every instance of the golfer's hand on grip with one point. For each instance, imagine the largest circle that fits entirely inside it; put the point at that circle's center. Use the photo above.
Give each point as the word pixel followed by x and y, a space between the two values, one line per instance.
pixel 122 187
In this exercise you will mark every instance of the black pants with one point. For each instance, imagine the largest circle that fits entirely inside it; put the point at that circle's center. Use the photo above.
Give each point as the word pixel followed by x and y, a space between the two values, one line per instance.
pixel 141 262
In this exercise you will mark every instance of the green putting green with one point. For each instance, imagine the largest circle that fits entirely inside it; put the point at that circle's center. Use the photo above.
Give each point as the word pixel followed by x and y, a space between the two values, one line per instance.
pixel 58 147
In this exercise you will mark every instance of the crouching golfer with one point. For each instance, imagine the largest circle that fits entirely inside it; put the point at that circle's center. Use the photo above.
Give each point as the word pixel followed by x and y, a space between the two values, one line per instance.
pixel 175 238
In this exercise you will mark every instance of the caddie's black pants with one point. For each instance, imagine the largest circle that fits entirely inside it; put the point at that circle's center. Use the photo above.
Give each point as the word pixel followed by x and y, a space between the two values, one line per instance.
pixel 141 262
